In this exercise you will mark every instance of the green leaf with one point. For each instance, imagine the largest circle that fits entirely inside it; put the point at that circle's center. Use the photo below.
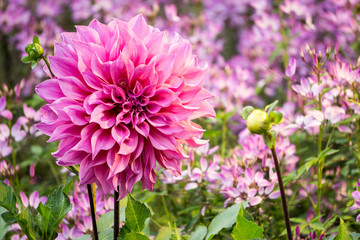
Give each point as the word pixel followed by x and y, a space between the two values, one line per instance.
pixel 34 64
pixel 69 186
pixel 8 217
pixel 269 139
pixel 36 39
pixel 26 59
pixel 108 234
pixel 326 152
pixel 343 233
pixel 36 149
pixel 136 214
pixel 25 220
pixel 42 219
pixel 199 233
pixel 269 108
pixel 355 236
pixel 246 112
pixel 84 237
pixel 105 221
pixel 4 224
pixel 275 117
pixel 136 236
pixel 246 229
pixel 164 233
pixel 51 214
pixel 7 197
pixel 223 220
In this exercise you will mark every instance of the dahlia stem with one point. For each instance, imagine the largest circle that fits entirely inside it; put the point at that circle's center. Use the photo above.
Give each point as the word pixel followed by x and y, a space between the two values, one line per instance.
pixel 282 191
pixel 48 65
pixel 116 214
pixel 92 209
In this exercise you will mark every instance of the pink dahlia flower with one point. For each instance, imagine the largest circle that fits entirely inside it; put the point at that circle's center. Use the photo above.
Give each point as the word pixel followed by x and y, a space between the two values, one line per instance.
pixel 123 98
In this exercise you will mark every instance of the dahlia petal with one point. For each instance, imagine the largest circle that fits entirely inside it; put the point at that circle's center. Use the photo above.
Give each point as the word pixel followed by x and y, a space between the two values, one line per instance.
pixel 205 110
pixel 49 90
pixel 163 97
pixel 139 148
pixel 65 145
pixel 64 67
pixel 88 35
pixel 101 173
pixel 154 43
pixel 196 142
pixel 143 128
pixel 85 142
pixel 163 65
pixel 77 114
pixel 67 37
pixel 103 30
pixel 100 69
pixel 194 76
pixel 72 158
pixel 64 50
pixel 92 80
pixel 85 52
pixel 139 26
pixel 129 144
pixel 117 162
pixel 161 141
pixel 157 120
pixel 136 51
pixel 119 133
pixel 45 128
pixel 73 88
pixel 121 68
pixel 182 52
pixel 144 74
pixel 86 171
pixel 64 131
pixel 103 116
pixel 101 140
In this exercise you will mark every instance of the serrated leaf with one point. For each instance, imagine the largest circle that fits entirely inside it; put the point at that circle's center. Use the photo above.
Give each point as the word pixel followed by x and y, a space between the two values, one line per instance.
pixel 51 214
pixel 8 217
pixel 4 224
pixel 136 236
pixel 246 112
pixel 7 197
pixel 225 219
pixel 25 220
pixel 199 233
pixel 246 229
pixel 69 186
pixel 343 233
pixel 136 213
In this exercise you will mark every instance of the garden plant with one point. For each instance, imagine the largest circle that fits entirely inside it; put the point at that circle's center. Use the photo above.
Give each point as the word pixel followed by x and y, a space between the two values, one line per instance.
pixel 179 120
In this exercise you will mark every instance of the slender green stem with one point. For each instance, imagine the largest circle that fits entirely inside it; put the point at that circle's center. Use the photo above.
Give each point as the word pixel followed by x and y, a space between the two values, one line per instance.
pixel 320 161
pixel 223 142
pixel 93 211
pixel 116 213
pixel 48 65
pixel 282 192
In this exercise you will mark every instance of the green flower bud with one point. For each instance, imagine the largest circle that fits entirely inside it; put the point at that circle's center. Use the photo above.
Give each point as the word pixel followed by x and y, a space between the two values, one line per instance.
pixel 258 122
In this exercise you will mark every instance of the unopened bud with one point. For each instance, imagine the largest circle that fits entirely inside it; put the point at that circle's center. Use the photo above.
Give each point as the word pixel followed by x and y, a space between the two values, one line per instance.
pixel 258 122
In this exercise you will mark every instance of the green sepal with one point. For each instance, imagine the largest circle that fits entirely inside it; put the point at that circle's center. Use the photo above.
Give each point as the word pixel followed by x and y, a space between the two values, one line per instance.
pixel 246 112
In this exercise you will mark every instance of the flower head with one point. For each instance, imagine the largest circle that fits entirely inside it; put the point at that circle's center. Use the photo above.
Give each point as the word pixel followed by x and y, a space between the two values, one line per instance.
pixel 123 98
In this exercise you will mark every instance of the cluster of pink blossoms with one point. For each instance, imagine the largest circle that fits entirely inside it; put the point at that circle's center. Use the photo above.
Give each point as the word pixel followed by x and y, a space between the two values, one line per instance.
pixel 122 98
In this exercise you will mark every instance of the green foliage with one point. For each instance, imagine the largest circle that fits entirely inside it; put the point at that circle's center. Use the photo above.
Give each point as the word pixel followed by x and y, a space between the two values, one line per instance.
pixel 246 112
pixel 199 233
pixel 136 214
pixel 26 222
pixel 343 233
pixel 35 53
pixel 7 197
pixel 224 220
pixel 51 214
pixel 3 224
pixel 245 228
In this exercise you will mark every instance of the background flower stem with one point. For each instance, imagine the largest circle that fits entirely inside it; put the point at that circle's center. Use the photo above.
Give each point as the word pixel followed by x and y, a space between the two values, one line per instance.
pixel 116 213
pixel 92 210
pixel 282 192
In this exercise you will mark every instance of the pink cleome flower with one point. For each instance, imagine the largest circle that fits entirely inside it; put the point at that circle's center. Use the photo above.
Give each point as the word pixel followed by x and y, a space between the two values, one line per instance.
pixel 123 98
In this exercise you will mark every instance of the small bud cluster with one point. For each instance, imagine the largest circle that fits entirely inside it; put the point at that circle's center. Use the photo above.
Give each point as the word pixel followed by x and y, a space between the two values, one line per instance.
pixel 35 52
